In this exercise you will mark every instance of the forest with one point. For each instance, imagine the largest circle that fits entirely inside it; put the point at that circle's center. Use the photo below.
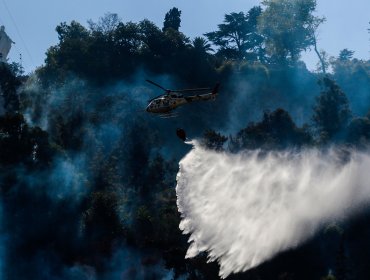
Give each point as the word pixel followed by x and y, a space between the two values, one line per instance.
pixel 88 177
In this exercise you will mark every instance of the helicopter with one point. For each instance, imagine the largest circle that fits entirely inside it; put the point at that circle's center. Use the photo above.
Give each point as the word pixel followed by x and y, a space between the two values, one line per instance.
pixel 171 99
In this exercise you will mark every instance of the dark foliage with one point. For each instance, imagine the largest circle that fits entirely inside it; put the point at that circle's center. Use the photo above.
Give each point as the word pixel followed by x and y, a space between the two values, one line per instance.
pixel 172 19
pixel 237 38
pixel 276 131
pixel 99 178
pixel 213 140
pixel 9 84
pixel 331 112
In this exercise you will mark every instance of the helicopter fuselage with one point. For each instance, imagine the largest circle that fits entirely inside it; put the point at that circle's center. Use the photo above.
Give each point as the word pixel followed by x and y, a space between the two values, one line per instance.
pixel 166 103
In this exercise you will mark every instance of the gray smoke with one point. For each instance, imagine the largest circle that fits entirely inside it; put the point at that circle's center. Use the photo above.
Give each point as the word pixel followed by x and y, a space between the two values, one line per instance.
pixel 244 209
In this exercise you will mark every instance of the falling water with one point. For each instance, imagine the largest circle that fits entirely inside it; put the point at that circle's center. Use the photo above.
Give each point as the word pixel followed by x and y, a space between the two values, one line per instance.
pixel 243 209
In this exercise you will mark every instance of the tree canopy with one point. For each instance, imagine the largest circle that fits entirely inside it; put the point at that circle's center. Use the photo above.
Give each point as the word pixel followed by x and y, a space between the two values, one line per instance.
pixel 237 37
pixel 172 19
pixel 84 160
pixel 288 27
pixel 331 112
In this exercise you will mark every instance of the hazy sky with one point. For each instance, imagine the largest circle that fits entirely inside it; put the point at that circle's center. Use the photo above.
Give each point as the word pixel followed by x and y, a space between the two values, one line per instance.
pixel 31 24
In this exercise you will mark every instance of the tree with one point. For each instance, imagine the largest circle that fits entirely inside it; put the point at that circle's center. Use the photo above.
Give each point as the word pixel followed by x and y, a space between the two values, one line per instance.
pixel 9 84
pixel 276 131
pixel 201 45
pixel 72 31
pixel 331 111
pixel 70 55
pixel 159 44
pixel 358 131
pixel 152 37
pixel 172 19
pixel 345 55
pixel 324 61
pixel 106 24
pixel 316 21
pixel 353 76
pixel 128 38
pixel 237 37
pixel 174 41
pixel 20 143
pixel 288 27
pixel 255 39
pixel 213 140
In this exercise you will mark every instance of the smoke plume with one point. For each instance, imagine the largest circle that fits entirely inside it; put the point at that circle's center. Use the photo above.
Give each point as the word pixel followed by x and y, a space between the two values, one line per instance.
pixel 243 209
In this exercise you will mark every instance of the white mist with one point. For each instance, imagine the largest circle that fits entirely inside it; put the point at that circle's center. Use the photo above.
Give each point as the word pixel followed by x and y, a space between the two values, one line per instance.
pixel 244 209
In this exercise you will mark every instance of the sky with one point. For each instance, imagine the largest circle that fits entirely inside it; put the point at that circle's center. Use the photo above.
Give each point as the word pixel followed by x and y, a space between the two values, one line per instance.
pixel 31 24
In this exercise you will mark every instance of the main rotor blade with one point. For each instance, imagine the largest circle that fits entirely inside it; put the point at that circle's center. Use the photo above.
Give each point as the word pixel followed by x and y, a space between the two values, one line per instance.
pixel 179 90
pixel 153 83
pixel 191 89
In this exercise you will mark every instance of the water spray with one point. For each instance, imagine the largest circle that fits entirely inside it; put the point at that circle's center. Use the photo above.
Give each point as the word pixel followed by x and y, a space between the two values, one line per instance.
pixel 243 209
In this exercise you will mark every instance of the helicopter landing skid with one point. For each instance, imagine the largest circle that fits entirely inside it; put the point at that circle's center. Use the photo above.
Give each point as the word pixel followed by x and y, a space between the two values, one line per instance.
pixel 169 115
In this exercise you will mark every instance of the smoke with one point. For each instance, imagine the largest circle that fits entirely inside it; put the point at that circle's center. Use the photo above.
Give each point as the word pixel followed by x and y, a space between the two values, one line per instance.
pixel 243 209
pixel 126 263
pixel 86 191
pixel 253 90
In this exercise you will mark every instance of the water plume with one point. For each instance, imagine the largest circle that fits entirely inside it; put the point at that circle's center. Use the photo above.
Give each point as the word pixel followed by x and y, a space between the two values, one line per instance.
pixel 243 209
